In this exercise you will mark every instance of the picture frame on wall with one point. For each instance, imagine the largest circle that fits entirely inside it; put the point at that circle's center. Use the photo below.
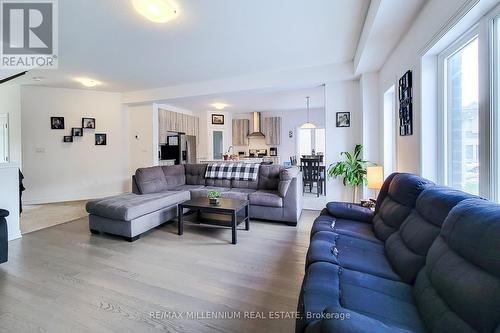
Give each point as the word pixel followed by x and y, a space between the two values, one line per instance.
pixel 57 123
pixel 77 131
pixel 217 119
pixel 343 119
pixel 68 138
pixel 101 139
pixel 88 123
pixel 273 151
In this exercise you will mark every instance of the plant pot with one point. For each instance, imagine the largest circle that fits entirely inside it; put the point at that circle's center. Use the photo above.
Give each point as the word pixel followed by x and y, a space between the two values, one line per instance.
pixel 213 201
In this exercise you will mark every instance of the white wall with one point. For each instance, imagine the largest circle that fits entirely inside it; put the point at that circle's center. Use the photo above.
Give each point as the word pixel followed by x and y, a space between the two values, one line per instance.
pixel 56 171
pixel 142 136
pixel 10 102
pixel 9 198
pixel 407 56
pixel 341 97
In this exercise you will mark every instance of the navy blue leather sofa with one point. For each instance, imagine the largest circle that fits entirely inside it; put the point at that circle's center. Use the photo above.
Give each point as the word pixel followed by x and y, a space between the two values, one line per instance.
pixel 3 235
pixel 427 260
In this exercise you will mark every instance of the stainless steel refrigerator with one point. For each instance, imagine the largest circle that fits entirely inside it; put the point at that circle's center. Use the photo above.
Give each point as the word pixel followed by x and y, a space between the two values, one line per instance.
pixel 181 148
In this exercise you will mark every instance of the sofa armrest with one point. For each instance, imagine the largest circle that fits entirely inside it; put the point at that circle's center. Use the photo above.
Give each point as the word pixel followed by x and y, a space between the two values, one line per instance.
pixel 292 202
pixel 135 187
pixel 350 211
pixel 338 319
pixel 4 213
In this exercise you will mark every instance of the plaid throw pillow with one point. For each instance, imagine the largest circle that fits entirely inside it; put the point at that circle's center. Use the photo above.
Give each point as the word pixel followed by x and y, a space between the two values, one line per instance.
pixel 219 171
pixel 246 171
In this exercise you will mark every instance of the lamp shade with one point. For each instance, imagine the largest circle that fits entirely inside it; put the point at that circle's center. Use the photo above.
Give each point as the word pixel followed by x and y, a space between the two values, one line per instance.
pixel 375 175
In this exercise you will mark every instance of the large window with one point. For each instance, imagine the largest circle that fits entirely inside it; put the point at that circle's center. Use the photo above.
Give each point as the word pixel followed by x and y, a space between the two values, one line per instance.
pixel 311 141
pixel 495 154
pixel 460 107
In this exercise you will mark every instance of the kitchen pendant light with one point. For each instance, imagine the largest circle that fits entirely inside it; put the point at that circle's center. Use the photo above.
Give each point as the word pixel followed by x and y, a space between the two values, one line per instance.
pixel 308 124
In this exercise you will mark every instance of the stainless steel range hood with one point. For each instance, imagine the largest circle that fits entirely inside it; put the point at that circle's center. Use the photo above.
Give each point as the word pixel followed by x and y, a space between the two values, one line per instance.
pixel 256 133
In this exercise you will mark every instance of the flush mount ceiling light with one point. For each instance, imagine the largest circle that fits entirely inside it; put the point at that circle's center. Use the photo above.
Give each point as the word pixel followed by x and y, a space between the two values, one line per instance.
pixel 38 78
pixel 308 124
pixel 158 11
pixel 219 106
pixel 87 82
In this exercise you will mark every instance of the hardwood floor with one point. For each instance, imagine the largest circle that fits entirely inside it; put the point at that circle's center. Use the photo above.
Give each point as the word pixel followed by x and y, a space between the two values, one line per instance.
pixel 36 217
pixel 63 279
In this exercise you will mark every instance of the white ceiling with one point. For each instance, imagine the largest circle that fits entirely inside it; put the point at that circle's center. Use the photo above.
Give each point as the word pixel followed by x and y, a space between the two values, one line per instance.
pixel 386 23
pixel 261 100
pixel 108 41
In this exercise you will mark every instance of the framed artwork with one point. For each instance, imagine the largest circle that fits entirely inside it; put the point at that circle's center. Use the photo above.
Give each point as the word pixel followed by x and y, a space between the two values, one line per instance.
pixel 405 105
pixel 57 122
pixel 68 138
pixel 77 131
pixel 88 123
pixel 100 139
pixel 273 151
pixel 343 119
pixel 217 119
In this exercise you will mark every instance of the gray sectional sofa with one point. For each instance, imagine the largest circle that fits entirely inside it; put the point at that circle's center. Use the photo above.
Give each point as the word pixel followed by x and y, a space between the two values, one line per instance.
pixel 275 195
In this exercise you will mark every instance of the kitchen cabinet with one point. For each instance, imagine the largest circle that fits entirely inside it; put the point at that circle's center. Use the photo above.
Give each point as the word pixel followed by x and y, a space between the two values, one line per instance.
pixel 169 121
pixel 272 130
pixel 240 132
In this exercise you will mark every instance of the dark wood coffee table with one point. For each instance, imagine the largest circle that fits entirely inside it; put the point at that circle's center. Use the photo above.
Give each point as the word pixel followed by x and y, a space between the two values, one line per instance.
pixel 226 213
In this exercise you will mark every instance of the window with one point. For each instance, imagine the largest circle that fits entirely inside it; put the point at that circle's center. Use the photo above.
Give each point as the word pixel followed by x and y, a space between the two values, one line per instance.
pixel 311 139
pixel 496 109
pixel 389 132
pixel 460 125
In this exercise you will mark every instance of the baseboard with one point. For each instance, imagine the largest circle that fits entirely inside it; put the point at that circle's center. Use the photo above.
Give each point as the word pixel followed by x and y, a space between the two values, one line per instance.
pixel 54 199
pixel 14 235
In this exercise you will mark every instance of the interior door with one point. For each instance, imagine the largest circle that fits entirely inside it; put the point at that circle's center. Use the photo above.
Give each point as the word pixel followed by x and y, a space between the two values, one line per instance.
pixel 218 143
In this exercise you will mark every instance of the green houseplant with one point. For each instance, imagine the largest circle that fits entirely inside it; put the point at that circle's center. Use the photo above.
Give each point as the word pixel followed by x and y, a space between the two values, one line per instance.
pixel 352 169
pixel 213 197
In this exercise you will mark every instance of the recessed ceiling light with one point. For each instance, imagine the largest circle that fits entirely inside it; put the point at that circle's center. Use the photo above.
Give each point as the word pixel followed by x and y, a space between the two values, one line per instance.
pixel 88 82
pixel 219 106
pixel 158 11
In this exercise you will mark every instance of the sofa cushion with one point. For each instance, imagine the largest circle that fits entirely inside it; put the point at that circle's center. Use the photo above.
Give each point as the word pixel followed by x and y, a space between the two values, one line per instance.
pixel 187 187
pixel 344 227
pixel 129 206
pixel 151 180
pixel 269 177
pixel 203 192
pixel 195 174
pixel 238 193
pixel 406 248
pixel 384 304
pixel 266 198
pixel 175 175
pixel 459 288
pixel 350 211
pixel 218 182
pixel 397 204
pixel 245 184
pixel 350 252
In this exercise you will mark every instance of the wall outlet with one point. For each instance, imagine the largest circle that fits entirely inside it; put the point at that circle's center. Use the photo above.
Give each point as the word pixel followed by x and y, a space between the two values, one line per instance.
pixel 40 150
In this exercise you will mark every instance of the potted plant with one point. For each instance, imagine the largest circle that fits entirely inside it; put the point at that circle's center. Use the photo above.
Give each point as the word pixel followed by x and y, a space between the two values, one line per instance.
pixel 213 197
pixel 352 169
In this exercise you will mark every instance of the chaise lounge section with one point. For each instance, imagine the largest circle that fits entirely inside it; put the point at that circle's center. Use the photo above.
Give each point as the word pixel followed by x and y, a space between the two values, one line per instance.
pixel 431 272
